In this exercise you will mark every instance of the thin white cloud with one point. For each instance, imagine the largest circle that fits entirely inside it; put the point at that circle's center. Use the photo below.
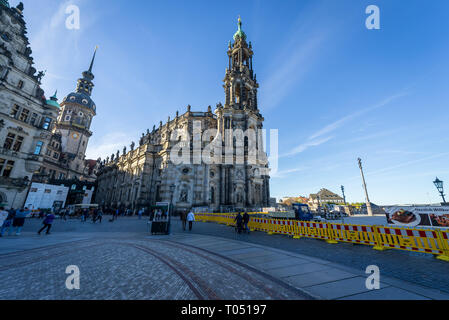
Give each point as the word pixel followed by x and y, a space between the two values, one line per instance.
pixel 284 173
pixel 306 145
pixel 314 140
pixel 337 124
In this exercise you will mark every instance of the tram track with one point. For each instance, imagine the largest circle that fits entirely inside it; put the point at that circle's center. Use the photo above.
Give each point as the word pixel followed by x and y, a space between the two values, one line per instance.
pixel 199 288
pixel 251 280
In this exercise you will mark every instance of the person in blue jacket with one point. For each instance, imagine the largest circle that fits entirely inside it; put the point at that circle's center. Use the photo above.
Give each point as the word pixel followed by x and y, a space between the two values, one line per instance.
pixel 48 222
pixel 19 220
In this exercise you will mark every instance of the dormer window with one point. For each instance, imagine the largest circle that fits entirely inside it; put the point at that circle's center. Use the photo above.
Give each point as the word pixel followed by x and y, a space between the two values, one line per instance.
pixel 72 98
pixel 85 100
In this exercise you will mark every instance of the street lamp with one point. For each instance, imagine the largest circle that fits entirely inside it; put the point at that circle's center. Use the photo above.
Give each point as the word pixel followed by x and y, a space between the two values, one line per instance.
pixel 343 192
pixel 439 185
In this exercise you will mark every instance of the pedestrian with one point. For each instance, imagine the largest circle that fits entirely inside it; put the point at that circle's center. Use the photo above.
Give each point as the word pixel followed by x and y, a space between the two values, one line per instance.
pixel 3 216
pixel 190 219
pixel 184 220
pixel 140 213
pixel 19 220
pixel 64 214
pixel 239 221
pixel 48 221
pixel 99 215
pixel 246 221
pixel 7 224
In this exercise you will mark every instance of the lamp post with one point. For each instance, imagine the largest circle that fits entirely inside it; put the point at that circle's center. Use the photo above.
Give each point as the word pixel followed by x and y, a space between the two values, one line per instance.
pixel 343 192
pixel 368 203
pixel 439 185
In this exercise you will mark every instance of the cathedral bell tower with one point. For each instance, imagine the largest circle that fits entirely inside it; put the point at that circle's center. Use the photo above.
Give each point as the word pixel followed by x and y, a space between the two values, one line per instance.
pixel 240 82
pixel 75 119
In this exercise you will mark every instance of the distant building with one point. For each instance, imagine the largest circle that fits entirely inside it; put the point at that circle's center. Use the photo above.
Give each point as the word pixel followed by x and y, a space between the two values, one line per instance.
pixel 322 197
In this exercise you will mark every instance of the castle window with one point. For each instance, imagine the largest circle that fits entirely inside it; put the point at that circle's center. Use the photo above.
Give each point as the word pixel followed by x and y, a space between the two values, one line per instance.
pixel 6 167
pixel 15 111
pixel 33 120
pixel 20 84
pixel 24 115
pixel 46 124
pixel 6 37
pixel 56 156
pixel 13 142
pixel 38 149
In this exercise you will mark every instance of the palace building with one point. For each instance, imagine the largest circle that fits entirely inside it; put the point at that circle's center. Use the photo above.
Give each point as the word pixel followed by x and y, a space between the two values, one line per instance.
pixel 40 140
pixel 146 174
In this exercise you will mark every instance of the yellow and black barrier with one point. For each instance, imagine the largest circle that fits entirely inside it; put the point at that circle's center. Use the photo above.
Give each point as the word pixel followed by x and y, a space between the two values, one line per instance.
pixel 379 237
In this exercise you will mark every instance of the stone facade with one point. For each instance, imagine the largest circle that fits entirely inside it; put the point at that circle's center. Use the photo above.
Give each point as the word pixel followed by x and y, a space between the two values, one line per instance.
pixel 148 173
pixel 40 140
pixel 25 117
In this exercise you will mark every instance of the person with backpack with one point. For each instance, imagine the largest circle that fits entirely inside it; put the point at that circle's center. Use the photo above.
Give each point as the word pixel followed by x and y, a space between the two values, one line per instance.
pixel 48 222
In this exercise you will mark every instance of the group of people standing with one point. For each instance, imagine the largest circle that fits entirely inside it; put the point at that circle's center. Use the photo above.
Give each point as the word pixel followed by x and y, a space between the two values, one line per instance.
pixel 12 219
pixel 242 222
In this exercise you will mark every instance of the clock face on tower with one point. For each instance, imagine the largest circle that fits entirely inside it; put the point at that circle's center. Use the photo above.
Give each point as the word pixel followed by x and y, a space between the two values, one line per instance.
pixel 75 136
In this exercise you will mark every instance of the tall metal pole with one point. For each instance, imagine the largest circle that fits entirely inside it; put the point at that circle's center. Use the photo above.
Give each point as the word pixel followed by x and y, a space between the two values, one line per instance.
pixel 368 203
pixel 343 192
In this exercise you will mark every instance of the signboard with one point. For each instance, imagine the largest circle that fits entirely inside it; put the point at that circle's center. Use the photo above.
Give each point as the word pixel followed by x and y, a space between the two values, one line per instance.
pixel 418 216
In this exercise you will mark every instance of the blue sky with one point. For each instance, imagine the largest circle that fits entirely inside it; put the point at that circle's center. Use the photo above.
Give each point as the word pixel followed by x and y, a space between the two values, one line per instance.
pixel 335 90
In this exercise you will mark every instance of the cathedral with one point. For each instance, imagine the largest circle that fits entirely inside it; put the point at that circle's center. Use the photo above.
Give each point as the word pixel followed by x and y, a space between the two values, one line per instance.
pixel 147 173
pixel 40 139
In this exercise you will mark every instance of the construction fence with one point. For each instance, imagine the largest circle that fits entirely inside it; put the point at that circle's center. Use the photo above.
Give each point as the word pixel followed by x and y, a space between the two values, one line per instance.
pixel 430 241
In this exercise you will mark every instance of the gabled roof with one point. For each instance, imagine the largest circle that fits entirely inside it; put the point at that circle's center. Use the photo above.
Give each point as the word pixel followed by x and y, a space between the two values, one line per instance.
pixel 326 194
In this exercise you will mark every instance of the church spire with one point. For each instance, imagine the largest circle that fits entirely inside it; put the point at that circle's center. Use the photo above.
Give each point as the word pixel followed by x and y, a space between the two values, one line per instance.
pixel 93 59
pixel 85 84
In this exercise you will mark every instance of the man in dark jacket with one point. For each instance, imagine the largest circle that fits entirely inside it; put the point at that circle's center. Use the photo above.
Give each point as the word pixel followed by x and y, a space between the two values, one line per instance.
pixel 239 222
pixel 47 223
pixel 246 221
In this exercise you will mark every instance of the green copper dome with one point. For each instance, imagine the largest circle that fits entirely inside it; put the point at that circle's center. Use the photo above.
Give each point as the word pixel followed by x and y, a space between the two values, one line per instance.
pixel 4 3
pixel 240 34
pixel 53 101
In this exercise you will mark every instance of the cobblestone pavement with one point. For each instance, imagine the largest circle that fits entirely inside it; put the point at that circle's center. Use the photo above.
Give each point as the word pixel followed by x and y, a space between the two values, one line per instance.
pixel 120 260
pixel 125 265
